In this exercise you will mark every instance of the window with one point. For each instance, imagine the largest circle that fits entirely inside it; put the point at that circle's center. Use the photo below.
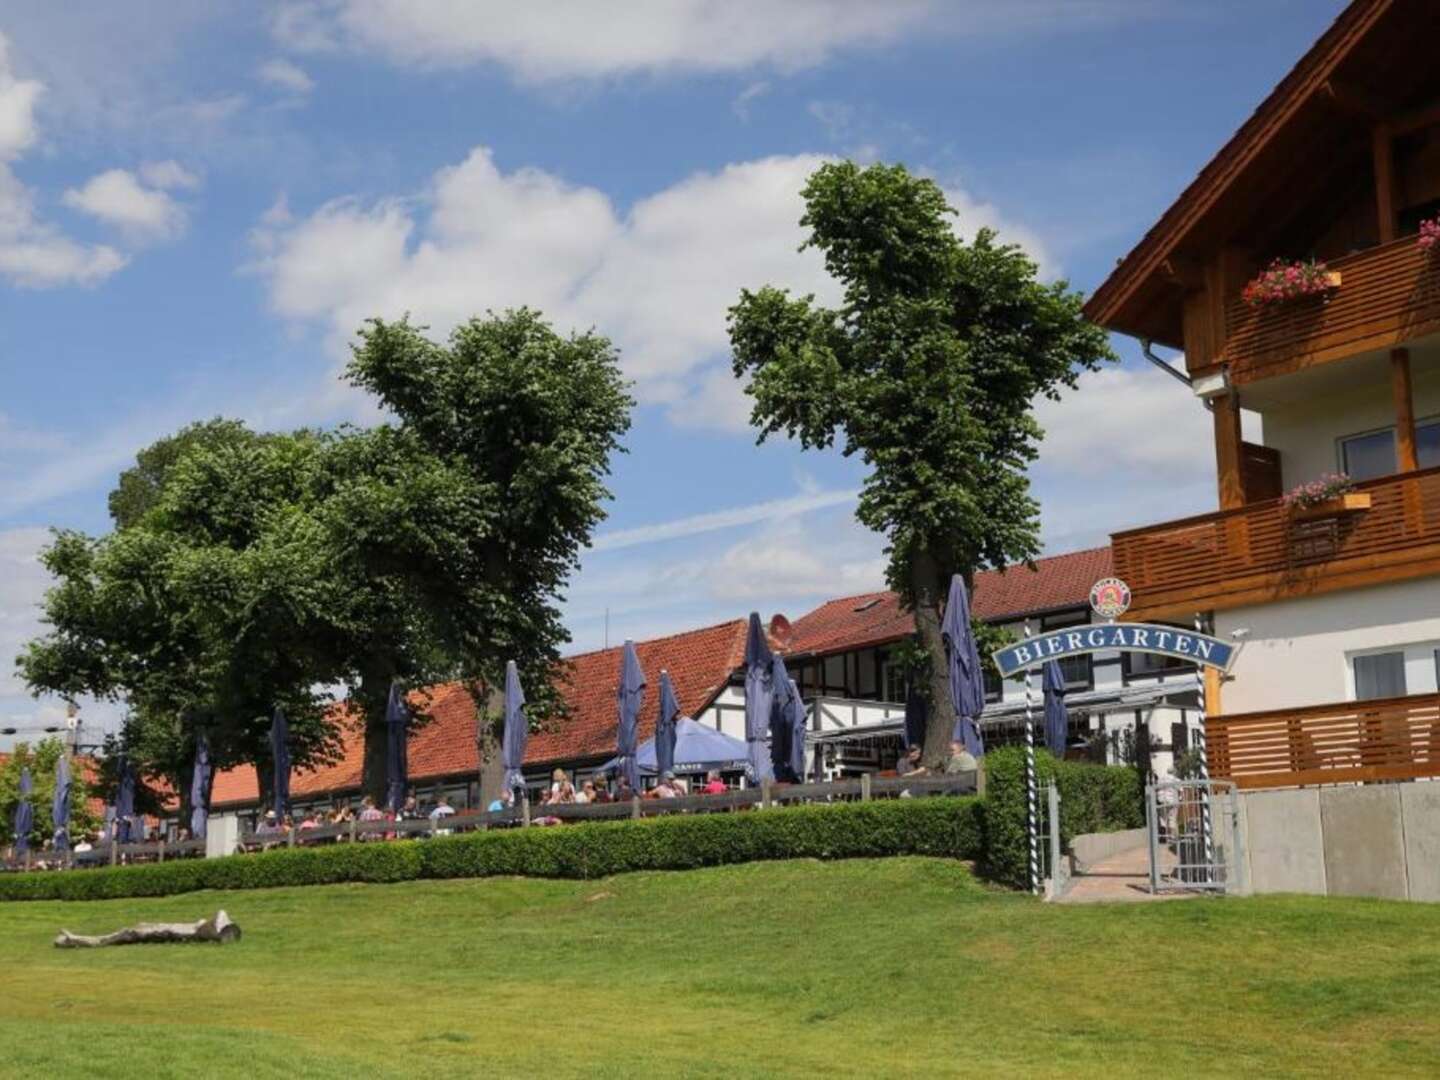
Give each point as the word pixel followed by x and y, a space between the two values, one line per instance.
pixel 1364 457
pixel 994 685
pixel 1379 675
pixel 894 682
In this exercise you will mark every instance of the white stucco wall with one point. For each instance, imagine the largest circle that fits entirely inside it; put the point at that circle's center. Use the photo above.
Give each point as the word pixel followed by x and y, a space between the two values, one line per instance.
pixel 1307 427
pixel 1299 652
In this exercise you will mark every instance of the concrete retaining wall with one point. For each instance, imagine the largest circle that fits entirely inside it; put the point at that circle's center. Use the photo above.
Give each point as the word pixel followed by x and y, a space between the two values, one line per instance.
pixel 1088 849
pixel 1377 840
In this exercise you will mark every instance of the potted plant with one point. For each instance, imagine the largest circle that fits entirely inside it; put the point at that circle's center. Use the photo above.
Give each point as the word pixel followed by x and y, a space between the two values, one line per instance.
pixel 1282 281
pixel 1429 238
pixel 1332 495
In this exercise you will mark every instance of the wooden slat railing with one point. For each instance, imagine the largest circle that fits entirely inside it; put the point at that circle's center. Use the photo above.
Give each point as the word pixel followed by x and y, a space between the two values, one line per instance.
pixel 1260 552
pixel 1388 295
pixel 1349 742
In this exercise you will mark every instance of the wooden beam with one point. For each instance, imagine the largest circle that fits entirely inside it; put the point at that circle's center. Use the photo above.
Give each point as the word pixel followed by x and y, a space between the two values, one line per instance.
pixel 1406 458
pixel 1227 451
pixel 1415 119
pixel 1383 147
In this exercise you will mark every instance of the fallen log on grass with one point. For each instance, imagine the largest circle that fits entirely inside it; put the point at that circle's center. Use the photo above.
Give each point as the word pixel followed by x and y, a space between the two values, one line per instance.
pixel 219 929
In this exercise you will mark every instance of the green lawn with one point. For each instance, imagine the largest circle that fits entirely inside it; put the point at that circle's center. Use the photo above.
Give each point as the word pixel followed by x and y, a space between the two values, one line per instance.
pixel 889 967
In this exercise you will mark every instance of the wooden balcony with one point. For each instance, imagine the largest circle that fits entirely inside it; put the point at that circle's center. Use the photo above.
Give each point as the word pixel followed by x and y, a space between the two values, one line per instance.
pixel 1388 295
pixel 1262 552
pixel 1344 743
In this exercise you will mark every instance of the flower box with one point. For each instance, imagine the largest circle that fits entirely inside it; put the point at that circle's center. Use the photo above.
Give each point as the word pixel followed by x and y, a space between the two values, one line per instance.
pixel 1282 281
pixel 1352 502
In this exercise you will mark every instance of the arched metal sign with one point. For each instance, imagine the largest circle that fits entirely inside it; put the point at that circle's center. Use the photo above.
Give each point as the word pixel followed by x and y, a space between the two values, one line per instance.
pixel 1128 637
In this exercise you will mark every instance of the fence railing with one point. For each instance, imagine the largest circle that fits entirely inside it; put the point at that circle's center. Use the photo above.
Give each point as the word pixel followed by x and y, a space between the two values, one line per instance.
pixel 1347 742
pixel 861 788
pixel 1262 551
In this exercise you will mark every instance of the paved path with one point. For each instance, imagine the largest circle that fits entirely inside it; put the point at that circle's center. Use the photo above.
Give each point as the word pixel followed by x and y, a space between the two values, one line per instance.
pixel 1123 877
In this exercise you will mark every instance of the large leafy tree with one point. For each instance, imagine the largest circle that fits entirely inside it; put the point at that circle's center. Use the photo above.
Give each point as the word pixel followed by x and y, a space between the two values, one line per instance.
pixel 928 370
pixel 202 611
pixel 532 419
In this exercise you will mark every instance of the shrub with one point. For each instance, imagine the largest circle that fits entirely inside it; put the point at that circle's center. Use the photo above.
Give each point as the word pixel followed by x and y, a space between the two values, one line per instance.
pixel 1093 798
pixel 949 827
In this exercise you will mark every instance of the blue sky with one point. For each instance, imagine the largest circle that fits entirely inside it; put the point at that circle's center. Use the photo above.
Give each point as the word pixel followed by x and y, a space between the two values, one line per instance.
pixel 199 203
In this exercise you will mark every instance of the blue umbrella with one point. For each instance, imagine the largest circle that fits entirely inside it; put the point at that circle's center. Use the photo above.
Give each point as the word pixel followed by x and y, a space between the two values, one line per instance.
pixel 517 729
pixel 798 719
pixel 759 695
pixel 125 803
pixel 630 696
pixel 917 714
pixel 1057 720
pixel 202 779
pixel 967 680
pixel 280 758
pixel 664 741
pixel 781 696
pixel 397 717
pixel 698 749
pixel 60 804
pixel 24 819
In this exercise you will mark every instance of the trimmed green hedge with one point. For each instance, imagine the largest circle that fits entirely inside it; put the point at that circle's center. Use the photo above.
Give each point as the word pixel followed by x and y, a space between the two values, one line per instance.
pixel 990 831
pixel 1093 798
pixel 949 827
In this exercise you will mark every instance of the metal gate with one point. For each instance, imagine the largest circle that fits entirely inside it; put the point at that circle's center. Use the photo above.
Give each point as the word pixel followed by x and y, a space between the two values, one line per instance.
pixel 1194 836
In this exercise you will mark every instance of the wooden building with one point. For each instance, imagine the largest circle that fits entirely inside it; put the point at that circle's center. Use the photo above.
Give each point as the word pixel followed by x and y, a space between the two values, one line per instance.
pixel 1336 174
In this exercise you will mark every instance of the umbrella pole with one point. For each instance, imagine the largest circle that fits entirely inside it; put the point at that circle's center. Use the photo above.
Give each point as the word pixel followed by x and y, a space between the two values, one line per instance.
pixel 1206 834
pixel 1032 794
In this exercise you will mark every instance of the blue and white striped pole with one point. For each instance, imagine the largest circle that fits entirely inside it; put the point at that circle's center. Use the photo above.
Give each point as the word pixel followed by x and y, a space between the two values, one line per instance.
pixel 1207 834
pixel 1032 792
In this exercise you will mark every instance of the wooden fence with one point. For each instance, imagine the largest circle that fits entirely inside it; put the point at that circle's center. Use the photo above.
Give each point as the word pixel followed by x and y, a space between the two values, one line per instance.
pixel 1350 742
pixel 861 789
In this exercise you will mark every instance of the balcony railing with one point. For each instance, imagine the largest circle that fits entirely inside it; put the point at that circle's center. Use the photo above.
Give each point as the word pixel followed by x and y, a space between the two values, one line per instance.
pixel 1388 295
pixel 1350 742
pixel 1261 552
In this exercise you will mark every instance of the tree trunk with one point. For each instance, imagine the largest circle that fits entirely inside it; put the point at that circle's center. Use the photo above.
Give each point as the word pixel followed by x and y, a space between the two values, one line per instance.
pixel 928 585
pixel 373 696
pixel 487 744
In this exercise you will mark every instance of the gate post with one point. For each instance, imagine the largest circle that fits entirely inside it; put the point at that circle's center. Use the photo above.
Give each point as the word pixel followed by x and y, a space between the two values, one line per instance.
pixel 1052 793
pixel 1152 833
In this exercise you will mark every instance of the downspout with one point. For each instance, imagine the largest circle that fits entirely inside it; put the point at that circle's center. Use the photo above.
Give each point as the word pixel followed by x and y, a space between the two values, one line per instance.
pixel 1170 370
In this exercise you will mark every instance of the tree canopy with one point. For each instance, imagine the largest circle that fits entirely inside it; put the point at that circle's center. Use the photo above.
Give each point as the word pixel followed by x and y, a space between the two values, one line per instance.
pixel 928 370
pixel 248 571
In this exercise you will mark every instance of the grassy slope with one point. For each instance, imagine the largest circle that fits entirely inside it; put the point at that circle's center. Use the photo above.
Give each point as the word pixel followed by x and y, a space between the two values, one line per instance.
pixel 895 967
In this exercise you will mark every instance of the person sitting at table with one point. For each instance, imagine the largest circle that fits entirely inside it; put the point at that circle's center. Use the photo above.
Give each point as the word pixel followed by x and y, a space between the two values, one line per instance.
pixel 623 791
pixel 561 790
pixel 909 764
pixel 502 802
pixel 370 812
pixel 960 759
pixel 268 831
pixel 713 784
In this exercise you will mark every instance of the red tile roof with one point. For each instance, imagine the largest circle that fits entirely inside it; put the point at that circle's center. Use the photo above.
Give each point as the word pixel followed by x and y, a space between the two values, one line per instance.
pixel 853 622
pixel 699 663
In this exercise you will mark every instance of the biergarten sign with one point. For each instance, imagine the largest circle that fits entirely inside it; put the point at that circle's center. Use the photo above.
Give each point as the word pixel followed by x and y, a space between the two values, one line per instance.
pixel 1112 595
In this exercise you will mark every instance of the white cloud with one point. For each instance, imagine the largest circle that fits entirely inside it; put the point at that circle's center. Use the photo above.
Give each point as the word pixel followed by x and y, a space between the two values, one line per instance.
pixel 33 252
pixel 285 75
pixel 168 175
pixel 23 582
pixel 550 40
pixel 753 92
pixel 657 280
pixel 713 521
pixel 117 198
pixel 564 39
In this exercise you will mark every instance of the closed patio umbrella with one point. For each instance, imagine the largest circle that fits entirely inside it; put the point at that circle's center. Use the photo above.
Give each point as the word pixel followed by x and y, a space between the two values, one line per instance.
pixel 202 779
pixel 125 803
pixel 665 726
pixel 60 805
pixel 24 819
pixel 967 680
pixel 759 696
pixel 1057 719
pixel 796 747
pixel 397 718
pixel 630 696
pixel 782 694
pixel 280 758
pixel 517 729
